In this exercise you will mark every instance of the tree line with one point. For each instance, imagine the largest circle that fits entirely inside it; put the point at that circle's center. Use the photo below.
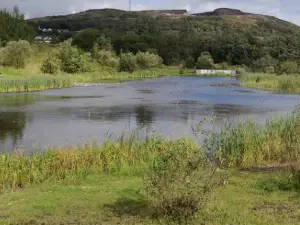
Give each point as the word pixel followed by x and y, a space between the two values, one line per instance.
pixel 259 44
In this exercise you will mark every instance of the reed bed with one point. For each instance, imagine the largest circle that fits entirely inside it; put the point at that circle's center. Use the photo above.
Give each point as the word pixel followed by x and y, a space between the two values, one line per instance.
pixel 283 83
pixel 247 144
pixel 126 157
pixel 33 84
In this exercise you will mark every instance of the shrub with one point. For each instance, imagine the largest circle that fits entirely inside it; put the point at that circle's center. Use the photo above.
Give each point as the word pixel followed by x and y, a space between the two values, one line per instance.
pixel 51 64
pixel 180 182
pixel 148 60
pixel 190 62
pixel 265 64
pixel 106 58
pixel 127 62
pixel 72 59
pixel 288 67
pixel 85 39
pixel 205 61
pixel 16 53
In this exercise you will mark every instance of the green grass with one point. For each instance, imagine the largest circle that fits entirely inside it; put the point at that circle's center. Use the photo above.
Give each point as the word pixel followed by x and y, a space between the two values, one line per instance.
pixel 247 144
pixel 283 83
pixel 113 199
pixel 36 83
pixel 104 184
pixel 24 80
pixel 125 157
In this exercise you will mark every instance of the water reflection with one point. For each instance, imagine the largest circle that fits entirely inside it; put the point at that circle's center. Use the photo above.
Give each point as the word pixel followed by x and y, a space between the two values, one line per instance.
pixel 144 115
pixel 9 100
pixel 169 106
pixel 12 126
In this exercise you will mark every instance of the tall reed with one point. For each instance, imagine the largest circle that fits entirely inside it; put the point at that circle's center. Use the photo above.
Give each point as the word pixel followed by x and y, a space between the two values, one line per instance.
pixel 248 144
pixel 128 156
pixel 34 84
pixel 283 83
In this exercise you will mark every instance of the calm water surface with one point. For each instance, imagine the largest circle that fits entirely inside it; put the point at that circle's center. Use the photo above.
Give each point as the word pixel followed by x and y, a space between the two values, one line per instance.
pixel 168 106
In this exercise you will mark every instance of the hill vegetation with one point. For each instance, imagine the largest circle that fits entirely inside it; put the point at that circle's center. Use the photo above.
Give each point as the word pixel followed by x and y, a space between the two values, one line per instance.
pixel 233 37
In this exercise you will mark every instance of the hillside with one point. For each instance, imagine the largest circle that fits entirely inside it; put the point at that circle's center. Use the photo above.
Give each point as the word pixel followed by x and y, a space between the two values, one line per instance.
pixel 229 35
pixel 223 12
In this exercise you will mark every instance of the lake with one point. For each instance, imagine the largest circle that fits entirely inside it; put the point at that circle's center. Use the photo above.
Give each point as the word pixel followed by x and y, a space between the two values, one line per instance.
pixel 168 106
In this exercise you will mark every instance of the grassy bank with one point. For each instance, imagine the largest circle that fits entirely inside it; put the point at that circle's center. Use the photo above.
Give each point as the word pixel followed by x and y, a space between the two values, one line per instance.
pixel 106 184
pixel 24 80
pixel 283 83
pixel 112 199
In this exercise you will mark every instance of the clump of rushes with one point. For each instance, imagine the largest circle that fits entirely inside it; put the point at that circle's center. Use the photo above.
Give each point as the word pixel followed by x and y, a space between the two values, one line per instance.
pixel 248 144
pixel 34 84
pixel 128 156
pixel 284 83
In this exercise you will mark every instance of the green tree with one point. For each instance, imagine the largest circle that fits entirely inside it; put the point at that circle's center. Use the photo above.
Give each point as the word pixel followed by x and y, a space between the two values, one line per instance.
pixel 190 62
pixel 85 39
pixel 13 27
pixel 288 67
pixel 51 64
pixel 15 54
pixel 128 62
pixel 106 58
pixel 265 64
pixel 205 61
pixel 72 59
pixel 148 60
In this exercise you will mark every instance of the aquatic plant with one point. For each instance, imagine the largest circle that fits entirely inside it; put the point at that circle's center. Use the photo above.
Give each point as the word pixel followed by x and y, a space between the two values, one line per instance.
pixel 127 156
pixel 284 83
pixel 34 84
pixel 248 144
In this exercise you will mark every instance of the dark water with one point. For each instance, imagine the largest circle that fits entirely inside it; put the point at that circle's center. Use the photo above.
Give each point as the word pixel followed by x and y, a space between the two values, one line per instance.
pixel 168 106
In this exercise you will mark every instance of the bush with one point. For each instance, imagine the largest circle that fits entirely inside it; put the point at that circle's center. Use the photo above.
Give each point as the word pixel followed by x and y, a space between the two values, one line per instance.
pixel 72 59
pixel 180 182
pixel 106 58
pixel 15 54
pixel 148 60
pixel 205 61
pixel 288 67
pixel 190 62
pixel 127 62
pixel 265 64
pixel 51 64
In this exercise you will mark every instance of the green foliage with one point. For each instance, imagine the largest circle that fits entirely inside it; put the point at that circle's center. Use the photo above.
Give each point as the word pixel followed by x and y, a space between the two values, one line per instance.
pixel 248 40
pixel 86 39
pixel 51 64
pixel 205 61
pixel 104 43
pixel 190 62
pixel 288 67
pixel 15 54
pixel 34 84
pixel 72 59
pixel 13 27
pixel 106 58
pixel 265 64
pixel 128 62
pixel 248 144
pixel 180 182
pixel 128 156
pixel 146 60
pixel 286 84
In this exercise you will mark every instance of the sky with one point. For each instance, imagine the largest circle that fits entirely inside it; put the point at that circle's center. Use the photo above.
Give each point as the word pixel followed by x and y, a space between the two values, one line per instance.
pixel 284 9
